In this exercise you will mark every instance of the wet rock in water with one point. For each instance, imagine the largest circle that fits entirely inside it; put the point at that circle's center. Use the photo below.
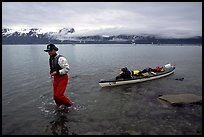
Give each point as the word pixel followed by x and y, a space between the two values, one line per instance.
pixel 130 133
pixel 180 99
pixel 181 79
pixel 93 133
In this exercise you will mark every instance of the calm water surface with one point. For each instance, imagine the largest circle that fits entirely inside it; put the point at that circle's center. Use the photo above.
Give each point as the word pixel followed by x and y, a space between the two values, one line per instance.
pixel 28 107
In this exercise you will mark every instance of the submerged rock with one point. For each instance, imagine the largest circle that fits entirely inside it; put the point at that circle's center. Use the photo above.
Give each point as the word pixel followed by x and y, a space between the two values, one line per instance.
pixel 93 133
pixel 179 99
pixel 181 79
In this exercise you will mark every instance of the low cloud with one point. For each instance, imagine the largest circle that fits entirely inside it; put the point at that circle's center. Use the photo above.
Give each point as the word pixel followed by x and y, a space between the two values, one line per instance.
pixel 171 19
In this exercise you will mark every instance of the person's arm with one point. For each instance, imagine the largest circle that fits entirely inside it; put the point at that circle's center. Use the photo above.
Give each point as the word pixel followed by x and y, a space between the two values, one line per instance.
pixel 62 61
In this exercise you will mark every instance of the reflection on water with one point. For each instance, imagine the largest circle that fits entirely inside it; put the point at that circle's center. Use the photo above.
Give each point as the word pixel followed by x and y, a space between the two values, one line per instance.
pixel 59 126
pixel 60 117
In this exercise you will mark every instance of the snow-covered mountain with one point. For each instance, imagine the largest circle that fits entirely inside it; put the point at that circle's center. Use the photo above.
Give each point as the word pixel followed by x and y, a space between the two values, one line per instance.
pixel 36 32
pixel 34 35
pixel 65 35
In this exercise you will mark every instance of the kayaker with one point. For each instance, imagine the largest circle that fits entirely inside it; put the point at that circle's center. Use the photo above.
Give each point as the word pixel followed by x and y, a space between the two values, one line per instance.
pixel 59 68
pixel 124 74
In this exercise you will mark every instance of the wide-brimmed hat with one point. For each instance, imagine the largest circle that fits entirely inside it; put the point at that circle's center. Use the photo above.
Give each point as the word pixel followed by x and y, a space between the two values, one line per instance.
pixel 51 47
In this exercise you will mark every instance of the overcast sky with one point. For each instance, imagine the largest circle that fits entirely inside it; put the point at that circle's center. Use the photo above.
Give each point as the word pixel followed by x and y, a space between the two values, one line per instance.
pixel 177 19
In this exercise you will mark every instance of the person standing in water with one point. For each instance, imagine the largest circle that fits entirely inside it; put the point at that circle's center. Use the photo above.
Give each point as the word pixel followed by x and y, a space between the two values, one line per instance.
pixel 59 68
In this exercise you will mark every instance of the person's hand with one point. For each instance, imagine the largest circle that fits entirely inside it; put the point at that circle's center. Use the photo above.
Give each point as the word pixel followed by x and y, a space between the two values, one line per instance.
pixel 53 73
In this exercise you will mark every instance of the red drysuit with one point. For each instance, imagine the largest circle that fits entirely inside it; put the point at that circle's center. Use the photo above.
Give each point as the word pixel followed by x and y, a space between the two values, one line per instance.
pixel 59 85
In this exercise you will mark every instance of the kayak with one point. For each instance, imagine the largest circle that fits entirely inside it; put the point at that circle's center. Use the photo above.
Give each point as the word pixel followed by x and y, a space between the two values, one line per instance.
pixel 168 69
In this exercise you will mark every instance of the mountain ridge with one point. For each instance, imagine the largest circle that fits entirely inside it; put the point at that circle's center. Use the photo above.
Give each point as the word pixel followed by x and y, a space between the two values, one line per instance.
pixel 65 36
